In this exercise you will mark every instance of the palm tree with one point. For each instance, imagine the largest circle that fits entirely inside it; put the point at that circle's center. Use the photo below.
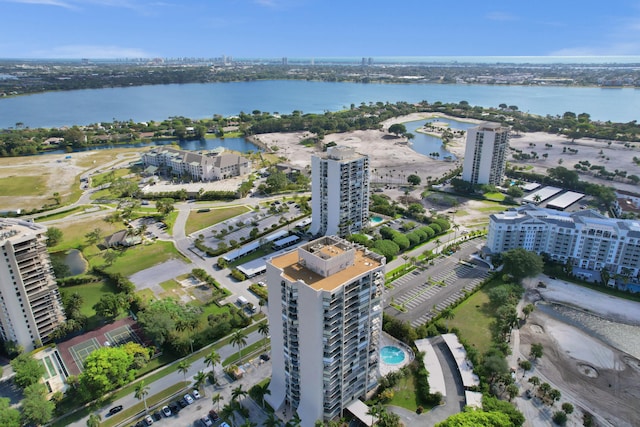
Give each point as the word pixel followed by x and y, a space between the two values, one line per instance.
pixel 94 420
pixel 238 392
pixel 216 399
pixel 456 227
pixel 239 339
pixel 271 421
pixel 199 380
pixel 263 329
pixel 437 242
pixel 183 367
pixel 142 390
pixel 294 422
pixel 211 360
pixel 259 392
pixel 447 314
pixel 248 423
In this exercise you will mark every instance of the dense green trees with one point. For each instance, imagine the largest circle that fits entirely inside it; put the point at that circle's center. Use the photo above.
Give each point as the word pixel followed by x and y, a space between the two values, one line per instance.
pixel 105 369
pixel 36 408
pixel 475 418
pixel 54 236
pixel 520 263
pixel 9 417
pixel 27 370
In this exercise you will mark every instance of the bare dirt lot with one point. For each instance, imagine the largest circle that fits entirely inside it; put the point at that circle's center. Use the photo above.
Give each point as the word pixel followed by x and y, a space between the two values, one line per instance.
pixel 593 375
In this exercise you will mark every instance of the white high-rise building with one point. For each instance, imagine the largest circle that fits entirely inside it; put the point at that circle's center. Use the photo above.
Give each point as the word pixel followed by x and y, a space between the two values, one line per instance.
pixel 325 320
pixel 30 304
pixel 340 192
pixel 485 154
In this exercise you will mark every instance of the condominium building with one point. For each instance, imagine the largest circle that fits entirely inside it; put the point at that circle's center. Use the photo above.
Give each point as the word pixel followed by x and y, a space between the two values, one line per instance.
pixel 325 319
pixel 210 166
pixel 340 192
pixel 585 239
pixel 485 154
pixel 30 304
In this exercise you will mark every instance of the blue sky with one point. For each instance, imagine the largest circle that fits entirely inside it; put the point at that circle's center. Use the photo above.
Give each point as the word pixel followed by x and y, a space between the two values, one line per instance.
pixel 316 28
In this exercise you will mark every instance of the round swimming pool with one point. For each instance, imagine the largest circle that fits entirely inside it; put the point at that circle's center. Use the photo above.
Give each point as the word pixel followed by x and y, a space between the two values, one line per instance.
pixel 392 355
pixel 376 220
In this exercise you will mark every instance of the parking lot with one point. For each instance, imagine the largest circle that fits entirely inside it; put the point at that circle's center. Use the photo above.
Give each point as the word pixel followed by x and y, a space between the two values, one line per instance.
pixel 425 292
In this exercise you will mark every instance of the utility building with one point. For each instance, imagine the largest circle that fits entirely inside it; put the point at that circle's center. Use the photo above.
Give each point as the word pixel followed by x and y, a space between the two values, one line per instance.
pixel 325 318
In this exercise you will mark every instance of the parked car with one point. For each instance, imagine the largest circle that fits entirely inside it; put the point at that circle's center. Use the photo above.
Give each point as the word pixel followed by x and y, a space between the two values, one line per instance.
pixel 213 415
pixel 175 408
pixel 148 420
pixel 265 357
pixel 188 399
pixel 182 403
pixel 157 416
pixel 206 422
pixel 166 411
pixel 115 409
pixel 196 394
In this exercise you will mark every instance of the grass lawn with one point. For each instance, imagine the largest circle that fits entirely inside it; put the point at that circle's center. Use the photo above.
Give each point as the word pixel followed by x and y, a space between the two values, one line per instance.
pixel 105 177
pixel 169 285
pixel 142 257
pixel 495 196
pixel 404 394
pixel 23 185
pixel 472 318
pixel 102 194
pixel 170 221
pixel 73 233
pixel 199 220
pixel 90 293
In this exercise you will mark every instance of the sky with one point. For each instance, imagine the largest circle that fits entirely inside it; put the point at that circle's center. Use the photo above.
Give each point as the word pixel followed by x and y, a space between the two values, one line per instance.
pixel 316 28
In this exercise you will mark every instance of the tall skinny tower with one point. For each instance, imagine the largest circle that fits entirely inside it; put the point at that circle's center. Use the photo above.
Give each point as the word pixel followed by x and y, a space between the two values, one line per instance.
pixel 30 304
pixel 485 154
pixel 325 318
pixel 340 192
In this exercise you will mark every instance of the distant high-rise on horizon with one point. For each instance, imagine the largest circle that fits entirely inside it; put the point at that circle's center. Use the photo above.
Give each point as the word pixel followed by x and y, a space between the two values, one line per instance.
pixel 340 192
pixel 325 320
pixel 485 154
pixel 30 304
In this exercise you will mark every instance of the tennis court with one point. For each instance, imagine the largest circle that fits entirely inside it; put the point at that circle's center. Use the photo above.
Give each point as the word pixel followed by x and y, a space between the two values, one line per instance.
pixel 121 335
pixel 80 351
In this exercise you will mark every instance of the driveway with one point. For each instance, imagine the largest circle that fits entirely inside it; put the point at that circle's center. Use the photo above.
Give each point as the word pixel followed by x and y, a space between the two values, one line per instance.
pixel 152 277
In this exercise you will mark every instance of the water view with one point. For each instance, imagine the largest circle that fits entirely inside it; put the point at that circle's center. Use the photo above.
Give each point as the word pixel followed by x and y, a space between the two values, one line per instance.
pixel 144 103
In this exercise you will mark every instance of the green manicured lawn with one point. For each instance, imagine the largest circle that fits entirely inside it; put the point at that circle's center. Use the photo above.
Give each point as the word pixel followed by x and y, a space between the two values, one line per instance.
pixel 90 293
pixel 73 233
pixel 497 196
pixel 473 319
pixel 199 220
pixel 170 284
pixel 102 194
pixel 404 394
pixel 142 257
pixel 105 177
pixel 170 221
pixel 23 185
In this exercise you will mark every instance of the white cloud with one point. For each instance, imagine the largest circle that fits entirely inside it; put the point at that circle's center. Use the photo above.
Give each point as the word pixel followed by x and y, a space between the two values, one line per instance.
pixel 57 3
pixel 92 51
pixel 501 16
pixel 613 49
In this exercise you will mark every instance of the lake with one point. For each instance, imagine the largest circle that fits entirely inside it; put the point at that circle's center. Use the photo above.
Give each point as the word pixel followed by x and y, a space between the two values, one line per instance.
pixel 145 103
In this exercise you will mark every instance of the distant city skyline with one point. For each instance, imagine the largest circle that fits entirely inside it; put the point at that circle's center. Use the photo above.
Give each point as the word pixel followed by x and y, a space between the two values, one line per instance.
pixel 314 29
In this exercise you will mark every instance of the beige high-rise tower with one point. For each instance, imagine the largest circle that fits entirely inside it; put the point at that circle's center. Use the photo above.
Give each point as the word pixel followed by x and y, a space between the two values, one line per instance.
pixel 30 304
pixel 325 320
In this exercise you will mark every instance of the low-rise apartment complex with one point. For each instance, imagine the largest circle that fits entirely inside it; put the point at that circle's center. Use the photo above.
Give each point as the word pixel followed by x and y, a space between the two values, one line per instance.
pixel 584 239
pixel 210 166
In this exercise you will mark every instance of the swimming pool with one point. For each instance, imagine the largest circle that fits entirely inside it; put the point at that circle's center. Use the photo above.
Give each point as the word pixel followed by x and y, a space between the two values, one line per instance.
pixel 392 355
pixel 375 220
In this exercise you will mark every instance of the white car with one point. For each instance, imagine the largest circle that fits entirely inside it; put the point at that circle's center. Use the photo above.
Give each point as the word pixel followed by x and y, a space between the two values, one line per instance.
pixel 196 394
pixel 166 411
pixel 188 399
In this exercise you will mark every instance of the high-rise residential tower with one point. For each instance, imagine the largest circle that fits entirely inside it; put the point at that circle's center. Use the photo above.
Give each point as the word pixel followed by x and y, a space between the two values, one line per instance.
pixel 325 319
pixel 340 192
pixel 485 154
pixel 30 304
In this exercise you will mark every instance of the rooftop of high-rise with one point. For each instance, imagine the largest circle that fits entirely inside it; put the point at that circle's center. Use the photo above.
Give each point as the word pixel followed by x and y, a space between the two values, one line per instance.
pixel 327 263
pixel 15 229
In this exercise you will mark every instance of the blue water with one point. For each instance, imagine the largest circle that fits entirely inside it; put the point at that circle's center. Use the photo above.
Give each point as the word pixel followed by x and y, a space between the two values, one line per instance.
pixel 145 103
pixel 235 144
pixel 392 355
